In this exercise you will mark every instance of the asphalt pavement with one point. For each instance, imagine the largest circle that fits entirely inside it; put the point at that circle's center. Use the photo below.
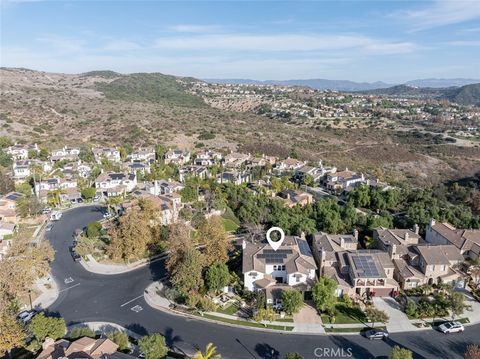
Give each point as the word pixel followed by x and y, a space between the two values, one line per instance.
pixel 86 297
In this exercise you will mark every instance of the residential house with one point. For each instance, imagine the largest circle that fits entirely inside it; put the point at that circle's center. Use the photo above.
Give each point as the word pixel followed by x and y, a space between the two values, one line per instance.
pixel 159 187
pixel 234 177
pixel 109 153
pixel 110 184
pixel 236 159
pixel 54 183
pixel 396 241
pixel 207 158
pixel 20 152
pixel 177 157
pixel 292 197
pixel 429 264
pixel 8 205
pixel 169 206
pixel 289 164
pixel 21 169
pixel 466 240
pixel 193 171
pixel 65 154
pixel 7 229
pixel 344 180
pixel 290 266
pixel 83 348
pixel 146 154
pixel 138 166
pixel 326 246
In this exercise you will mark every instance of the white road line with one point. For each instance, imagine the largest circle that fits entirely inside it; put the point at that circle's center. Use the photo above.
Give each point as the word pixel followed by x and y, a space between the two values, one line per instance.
pixel 69 287
pixel 134 299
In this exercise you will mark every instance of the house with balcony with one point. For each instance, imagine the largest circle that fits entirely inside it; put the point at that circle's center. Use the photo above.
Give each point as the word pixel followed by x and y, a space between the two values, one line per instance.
pixel 234 177
pixel 177 157
pixel 65 154
pixel 289 164
pixel 290 266
pixel 21 169
pixel 192 171
pixel 344 180
pixel 207 158
pixel 109 184
pixel 163 187
pixel 143 154
pixel 109 153
pixel 20 152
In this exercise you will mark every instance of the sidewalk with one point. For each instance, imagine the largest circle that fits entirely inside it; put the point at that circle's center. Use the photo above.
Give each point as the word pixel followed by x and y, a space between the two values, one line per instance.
pixel 48 295
pixel 93 266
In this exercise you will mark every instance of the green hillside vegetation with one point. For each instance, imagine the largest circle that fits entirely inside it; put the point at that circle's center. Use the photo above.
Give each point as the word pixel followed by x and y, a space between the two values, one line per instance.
pixel 102 73
pixel 155 87
pixel 465 95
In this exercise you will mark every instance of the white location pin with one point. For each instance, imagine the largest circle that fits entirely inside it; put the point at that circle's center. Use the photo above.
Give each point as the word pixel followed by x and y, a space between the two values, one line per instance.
pixel 275 244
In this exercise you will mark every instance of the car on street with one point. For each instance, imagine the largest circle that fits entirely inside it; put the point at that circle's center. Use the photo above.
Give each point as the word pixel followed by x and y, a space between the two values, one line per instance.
pixel 96 198
pixel 376 334
pixel 26 316
pixel 76 257
pixel 49 227
pixel 451 327
pixel 46 210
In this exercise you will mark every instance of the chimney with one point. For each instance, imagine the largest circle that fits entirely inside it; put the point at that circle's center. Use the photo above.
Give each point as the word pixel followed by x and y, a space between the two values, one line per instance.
pixel 406 236
pixel 244 244
pixel 355 233
pixel 302 235
pixel 48 343
pixel 416 228
pixel 342 242
pixel 432 222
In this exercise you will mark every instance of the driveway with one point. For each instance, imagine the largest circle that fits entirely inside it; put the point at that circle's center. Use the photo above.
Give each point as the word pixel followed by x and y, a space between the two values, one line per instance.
pixel 307 320
pixel 399 321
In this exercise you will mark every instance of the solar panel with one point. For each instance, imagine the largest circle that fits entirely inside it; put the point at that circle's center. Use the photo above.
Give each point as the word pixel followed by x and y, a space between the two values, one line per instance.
pixel 304 248
pixel 366 266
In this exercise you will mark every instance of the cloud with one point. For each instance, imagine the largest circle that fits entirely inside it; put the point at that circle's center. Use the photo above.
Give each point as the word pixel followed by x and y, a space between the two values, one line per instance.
pixel 121 45
pixel 441 13
pixel 467 43
pixel 196 29
pixel 283 42
pixel 62 44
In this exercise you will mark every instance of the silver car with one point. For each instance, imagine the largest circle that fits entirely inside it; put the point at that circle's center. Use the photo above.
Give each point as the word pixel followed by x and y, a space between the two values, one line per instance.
pixel 451 327
pixel 376 334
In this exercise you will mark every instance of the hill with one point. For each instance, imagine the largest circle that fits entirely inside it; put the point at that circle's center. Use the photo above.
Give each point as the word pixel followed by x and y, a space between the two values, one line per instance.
pixel 154 87
pixel 441 83
pixel 465 95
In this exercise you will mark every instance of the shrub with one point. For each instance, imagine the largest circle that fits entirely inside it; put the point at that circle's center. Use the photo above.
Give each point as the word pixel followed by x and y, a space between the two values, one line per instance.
pixel 119 338
pixel 80 332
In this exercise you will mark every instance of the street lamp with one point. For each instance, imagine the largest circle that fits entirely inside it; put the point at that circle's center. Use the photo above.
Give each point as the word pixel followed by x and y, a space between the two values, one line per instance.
pixel 30 297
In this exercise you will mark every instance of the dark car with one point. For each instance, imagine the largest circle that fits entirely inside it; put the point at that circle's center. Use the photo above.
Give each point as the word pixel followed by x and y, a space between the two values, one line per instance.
pixel 76 257
pixel 376 334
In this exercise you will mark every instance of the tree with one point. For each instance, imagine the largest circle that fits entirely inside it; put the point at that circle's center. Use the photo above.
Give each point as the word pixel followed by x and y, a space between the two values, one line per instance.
pixel 376 315
pixel 292 301
pixel 400 353
pixel 472 352
pixel 187 274
pixel 293 356
pixel 324 294
pixel 120 338
pixel 265 315
pixel 42 326
pixel 86 246
pixel 6 182
pixel 457 303
pixel 93 229
pixel 153 346
pixel 88 193
pixel 216 240
pixel 411 308
pixel 28 206
pixel 217 277
pixel 81 332
pixel 12 334
pixel 210 353
pixel 179 240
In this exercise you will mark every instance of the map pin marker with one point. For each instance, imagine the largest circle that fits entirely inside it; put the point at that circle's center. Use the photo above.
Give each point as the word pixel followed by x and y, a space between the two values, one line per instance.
pixel 277 243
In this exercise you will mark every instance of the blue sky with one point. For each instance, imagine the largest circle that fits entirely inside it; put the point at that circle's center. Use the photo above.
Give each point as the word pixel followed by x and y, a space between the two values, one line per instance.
pixel 386 40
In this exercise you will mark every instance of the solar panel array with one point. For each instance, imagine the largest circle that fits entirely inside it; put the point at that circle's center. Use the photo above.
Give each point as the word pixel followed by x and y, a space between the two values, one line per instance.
pixel 366 265
pixel 272 256
pixel 304 248
pixel 14 196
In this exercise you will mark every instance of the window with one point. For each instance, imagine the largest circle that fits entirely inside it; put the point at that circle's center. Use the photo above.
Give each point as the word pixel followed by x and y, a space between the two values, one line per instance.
pixel 444 268
pixel 297 278
pixel 283 267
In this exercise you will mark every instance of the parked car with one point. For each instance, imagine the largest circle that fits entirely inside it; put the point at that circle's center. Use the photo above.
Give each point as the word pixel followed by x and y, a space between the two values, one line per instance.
pixel 49 227
pixel 96 198
pixel 376 334
pixel 46 210
pixel 76 257
pixel 71 249
pixel 451 327
pixel 26 315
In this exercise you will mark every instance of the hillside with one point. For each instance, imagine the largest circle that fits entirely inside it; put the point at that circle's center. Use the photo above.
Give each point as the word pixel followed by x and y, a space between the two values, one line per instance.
pixel 107 108
pixel 465 95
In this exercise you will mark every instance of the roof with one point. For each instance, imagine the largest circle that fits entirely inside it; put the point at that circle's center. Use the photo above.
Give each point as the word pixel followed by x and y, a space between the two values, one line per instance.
pixel 294 253
pixel 397 236
pixel 331 243
pixel 81 348
pixel 13 196
pixel 461 238
pixel 442 254
pixel 369 263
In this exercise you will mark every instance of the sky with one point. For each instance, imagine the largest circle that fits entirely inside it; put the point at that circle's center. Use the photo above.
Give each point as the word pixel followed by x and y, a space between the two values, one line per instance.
pixel 381 40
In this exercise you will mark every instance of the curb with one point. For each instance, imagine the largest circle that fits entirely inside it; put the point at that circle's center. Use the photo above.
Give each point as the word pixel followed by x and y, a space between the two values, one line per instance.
pixel 136 265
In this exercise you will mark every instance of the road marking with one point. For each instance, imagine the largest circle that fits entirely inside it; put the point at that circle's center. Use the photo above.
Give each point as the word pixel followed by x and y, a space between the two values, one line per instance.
pixel 68 280
pixel 134 299
pixel 73 286
pixel 136 308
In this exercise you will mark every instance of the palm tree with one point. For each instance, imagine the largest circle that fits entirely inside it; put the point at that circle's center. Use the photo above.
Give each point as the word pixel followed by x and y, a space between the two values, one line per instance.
pixel 210 353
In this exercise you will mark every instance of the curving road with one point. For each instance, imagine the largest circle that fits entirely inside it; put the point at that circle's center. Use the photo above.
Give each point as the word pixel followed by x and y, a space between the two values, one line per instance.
pixel 86 296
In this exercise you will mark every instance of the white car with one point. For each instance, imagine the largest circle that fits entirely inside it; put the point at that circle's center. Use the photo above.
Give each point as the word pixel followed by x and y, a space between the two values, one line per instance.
pixel 451 327
pixel 26 316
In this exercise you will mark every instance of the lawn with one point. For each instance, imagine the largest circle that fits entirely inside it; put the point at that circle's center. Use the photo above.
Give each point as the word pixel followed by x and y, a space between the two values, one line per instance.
pixel 346 315
pixel 247 324
pixel 230 310
pixel 229 225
